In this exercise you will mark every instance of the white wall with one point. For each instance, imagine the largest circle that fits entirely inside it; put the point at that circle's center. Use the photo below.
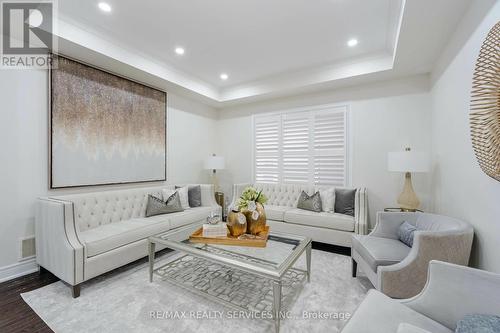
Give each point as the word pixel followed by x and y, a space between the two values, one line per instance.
pixel 461 189
pixel 24 163
pixel 385 116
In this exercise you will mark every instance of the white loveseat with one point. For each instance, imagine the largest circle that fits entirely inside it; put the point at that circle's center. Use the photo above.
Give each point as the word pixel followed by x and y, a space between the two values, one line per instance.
pixel 81 236
pixel 326 227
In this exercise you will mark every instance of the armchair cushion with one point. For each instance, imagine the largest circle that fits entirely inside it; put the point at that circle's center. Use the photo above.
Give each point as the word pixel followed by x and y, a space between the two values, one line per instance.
pixel 379 313
pixel 379 251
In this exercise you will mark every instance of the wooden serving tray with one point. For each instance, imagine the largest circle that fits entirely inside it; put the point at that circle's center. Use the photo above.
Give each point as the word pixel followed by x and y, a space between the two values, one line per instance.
pixel 197 237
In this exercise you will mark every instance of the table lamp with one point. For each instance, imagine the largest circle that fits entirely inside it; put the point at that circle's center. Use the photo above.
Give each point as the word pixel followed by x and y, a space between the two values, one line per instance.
pixel 215 163
pixel 408 161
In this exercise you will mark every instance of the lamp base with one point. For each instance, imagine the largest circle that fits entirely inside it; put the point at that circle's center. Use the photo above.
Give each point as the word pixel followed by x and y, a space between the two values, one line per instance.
pixel 408 200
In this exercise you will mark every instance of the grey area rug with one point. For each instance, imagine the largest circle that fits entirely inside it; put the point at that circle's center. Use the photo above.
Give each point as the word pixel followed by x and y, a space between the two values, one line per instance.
pixel 126 302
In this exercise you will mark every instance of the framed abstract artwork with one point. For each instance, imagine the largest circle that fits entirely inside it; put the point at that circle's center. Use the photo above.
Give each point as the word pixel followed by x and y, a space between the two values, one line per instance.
pixel 104 129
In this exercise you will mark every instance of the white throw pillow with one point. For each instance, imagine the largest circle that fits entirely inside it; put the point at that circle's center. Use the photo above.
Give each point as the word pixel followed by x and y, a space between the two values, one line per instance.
pixel 327 199
pixel 184 196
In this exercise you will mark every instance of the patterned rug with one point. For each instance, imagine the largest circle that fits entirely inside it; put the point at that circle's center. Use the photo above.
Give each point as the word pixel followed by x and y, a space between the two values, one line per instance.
pixel 125 301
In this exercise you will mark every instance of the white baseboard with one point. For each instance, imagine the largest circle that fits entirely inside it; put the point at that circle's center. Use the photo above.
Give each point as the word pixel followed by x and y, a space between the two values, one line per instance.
pixel 18 269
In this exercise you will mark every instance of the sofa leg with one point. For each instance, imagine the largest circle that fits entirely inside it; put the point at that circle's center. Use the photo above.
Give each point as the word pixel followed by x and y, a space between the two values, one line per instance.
pixel 354 268
pixel 75 291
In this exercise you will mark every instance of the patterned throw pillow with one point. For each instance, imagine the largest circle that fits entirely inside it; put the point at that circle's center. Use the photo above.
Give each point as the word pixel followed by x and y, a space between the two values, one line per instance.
pixel 478 323
pixel 406 233
pixel 312 203
pixel 157 206
pixel 183 195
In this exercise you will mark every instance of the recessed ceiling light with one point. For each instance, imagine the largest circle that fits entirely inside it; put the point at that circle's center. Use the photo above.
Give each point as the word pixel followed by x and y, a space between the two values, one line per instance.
pixel 352 42
pixel 224 76
pixel 179 50
pixel 104 7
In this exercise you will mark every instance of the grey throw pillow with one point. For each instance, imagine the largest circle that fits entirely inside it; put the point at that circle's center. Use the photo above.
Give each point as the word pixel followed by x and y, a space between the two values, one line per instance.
pixel 406 233
pixel 312 203
pixel 344 201
pixel 157 206
pixel 194 195
pixel 479 323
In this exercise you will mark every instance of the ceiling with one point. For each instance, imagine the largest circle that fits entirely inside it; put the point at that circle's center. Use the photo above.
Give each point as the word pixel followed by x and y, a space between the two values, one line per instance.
pixel 267 47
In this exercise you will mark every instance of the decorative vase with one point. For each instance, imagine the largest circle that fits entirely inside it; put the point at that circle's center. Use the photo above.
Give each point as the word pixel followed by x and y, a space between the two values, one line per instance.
pixel 236 223
pixel 256 220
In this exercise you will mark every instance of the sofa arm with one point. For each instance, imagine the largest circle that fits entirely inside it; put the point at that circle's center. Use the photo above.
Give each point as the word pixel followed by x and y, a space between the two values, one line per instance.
pixel 208 197
pixel 58 248
pixel 407 278
pixel 452 291
pixel 361 212
pixel 388 223
pixel 237 191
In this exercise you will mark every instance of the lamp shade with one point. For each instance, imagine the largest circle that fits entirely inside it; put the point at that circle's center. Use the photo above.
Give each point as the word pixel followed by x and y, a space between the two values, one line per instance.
pixel 408 161
pixel 215 163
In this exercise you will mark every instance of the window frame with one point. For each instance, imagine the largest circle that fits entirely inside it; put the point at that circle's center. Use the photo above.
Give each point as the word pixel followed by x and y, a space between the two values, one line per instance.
pixel 347 128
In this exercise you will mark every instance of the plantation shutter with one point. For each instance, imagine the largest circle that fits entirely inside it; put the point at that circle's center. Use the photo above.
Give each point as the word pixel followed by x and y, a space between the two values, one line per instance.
pixel 329 147
pixel 302 147
pixel 267 149
pixel 295 144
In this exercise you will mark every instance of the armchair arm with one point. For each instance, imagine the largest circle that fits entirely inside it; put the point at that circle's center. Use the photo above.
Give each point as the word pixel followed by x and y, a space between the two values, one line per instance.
pixel 361 212
pixel 452 291
pixel 407 278
pixel 237 191
pixel 389 222
pixel 208 197
pixel 58 248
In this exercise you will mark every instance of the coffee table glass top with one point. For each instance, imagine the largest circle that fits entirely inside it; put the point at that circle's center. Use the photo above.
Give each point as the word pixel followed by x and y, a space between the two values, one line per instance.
pixel 281 252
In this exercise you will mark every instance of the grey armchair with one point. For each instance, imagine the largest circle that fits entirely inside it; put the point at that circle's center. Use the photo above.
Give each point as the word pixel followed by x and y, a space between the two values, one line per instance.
pixel 451 292
pixel 398 270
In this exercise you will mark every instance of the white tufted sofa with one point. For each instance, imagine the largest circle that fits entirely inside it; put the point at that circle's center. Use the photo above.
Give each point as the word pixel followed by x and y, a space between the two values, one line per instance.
pixel 283 215
pixel 81 236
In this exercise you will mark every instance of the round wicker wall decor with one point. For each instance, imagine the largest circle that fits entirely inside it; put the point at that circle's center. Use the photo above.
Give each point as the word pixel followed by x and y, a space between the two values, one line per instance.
pixel 485 105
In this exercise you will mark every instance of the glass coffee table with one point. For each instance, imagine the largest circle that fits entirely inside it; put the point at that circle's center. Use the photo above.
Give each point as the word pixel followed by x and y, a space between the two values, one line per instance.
pixel 247 279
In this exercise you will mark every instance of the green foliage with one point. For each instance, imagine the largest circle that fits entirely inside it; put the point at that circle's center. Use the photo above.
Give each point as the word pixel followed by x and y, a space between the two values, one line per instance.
pixel 250 194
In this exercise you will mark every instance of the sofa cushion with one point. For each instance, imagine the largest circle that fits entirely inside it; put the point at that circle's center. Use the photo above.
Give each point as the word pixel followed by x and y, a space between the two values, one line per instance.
pixel 276 213
pixel 322 219
pixel 379 313
pixel 189 216
pixel 113 235
pixel 379 251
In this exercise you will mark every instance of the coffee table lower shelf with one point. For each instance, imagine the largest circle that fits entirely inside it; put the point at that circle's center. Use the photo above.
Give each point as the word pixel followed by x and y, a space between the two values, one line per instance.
pixel 233 288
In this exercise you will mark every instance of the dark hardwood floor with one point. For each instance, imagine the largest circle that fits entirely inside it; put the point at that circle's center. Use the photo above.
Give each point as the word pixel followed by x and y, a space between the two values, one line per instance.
pixel 16 316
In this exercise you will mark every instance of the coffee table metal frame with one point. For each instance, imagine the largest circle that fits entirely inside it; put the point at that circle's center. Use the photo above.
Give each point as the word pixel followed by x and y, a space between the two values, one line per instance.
pixel 174 240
